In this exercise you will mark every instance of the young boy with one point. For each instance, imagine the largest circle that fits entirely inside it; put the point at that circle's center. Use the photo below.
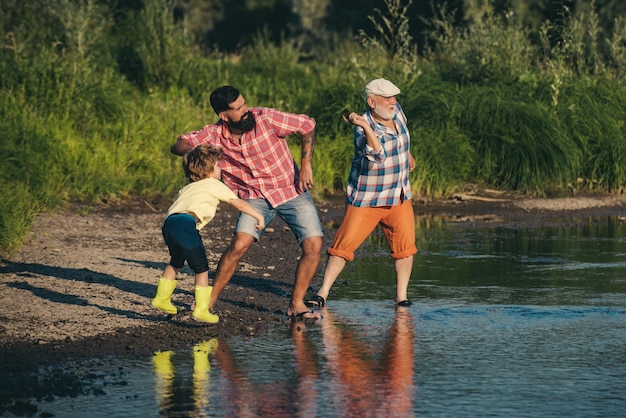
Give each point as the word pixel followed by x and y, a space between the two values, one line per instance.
pixel 191 211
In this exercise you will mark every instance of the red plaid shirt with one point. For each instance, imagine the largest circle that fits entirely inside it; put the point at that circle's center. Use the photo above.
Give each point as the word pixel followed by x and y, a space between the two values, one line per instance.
pixel 262 166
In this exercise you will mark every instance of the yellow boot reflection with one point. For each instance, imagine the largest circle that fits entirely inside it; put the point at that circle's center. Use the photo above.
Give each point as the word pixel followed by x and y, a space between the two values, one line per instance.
pixel 164 372
pixel 201 374
pixel 167 392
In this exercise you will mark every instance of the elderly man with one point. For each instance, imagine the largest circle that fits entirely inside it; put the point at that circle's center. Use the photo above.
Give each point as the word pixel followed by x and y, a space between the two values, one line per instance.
pixel 378 190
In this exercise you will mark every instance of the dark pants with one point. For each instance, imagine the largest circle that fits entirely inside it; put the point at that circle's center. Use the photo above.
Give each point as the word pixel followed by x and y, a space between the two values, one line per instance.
pixel 184 242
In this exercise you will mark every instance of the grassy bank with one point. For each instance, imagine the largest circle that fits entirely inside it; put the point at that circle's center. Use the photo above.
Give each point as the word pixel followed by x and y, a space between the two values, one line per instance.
pixel 488 104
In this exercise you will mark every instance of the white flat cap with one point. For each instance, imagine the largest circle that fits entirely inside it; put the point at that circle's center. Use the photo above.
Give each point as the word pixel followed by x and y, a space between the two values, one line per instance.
pixel 381 87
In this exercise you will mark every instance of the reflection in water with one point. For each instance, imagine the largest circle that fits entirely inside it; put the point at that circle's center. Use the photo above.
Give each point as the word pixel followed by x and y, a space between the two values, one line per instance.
pixel 512 322
pixel 238 396
pixel 365 387
pixel 171 396
pixel 359 385
pixel 164 372
pixel 361 379
pixel 201 374
pixel 307 373
pixel 245 395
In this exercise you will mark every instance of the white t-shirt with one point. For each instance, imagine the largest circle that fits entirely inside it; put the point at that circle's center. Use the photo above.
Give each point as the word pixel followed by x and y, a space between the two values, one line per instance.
pixel 201 199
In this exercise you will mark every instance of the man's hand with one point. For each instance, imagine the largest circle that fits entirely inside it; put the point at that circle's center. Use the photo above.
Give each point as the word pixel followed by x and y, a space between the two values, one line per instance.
pixel 306 176
pixel 354 119
pixel 306 171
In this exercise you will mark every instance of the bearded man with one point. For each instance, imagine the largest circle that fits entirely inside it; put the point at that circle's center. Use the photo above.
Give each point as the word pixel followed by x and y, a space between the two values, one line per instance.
pixel 259 167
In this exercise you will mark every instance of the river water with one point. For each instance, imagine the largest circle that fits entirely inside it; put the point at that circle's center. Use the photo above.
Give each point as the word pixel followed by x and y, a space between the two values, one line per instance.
pixel 523 322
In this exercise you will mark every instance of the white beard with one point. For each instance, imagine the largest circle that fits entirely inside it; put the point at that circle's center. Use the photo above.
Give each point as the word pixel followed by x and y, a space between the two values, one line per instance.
pixel 385 113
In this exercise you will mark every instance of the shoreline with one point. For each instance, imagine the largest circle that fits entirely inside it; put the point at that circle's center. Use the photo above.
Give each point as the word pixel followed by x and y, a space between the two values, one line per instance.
pixel 81 284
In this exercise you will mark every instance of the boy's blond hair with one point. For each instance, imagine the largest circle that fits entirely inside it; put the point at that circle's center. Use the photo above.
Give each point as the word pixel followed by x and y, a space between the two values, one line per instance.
pixel 200 162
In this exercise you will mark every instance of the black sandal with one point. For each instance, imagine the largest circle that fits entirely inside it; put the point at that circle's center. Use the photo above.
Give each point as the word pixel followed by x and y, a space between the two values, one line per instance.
pixel 316 302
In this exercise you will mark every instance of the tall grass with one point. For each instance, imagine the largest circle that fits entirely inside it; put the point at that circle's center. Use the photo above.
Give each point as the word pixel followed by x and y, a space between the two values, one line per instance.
pixel 18 210
pixel 88 109
pixel 520 143
pixel 442 150
pixel 593 116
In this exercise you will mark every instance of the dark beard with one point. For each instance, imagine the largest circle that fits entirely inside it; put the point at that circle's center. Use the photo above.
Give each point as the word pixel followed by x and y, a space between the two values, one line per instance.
pixel 245 124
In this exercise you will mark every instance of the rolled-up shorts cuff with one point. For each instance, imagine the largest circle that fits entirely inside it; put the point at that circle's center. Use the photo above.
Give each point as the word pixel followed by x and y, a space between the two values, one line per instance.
pixel 404 254
pixel 338 253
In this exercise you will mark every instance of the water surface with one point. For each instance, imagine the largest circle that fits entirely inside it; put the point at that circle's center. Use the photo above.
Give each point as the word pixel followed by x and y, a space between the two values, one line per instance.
pixel 525 322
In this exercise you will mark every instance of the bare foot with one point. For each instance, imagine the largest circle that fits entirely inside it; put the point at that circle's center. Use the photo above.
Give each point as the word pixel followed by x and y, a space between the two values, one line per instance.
pixel 305 316
pixel 302 313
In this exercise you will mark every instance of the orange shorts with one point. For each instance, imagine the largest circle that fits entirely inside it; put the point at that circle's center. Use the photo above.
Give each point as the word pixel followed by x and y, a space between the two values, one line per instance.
pixel 397 222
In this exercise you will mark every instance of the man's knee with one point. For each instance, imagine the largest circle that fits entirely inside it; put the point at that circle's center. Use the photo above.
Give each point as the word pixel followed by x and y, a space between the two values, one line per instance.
pixel 241 243
pixel 312 246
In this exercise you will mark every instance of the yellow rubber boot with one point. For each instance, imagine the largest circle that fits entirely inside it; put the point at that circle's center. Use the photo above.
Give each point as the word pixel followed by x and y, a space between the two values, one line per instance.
pixel 201 312
pixel 163 298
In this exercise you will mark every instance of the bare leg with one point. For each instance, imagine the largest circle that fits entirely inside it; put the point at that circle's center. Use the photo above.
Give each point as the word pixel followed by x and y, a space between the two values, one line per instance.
pixel 357 224
pixel 202 279
pixel 170 272
pixel 307 266
pixel 228 263
pixel 403 266
pixel 334 267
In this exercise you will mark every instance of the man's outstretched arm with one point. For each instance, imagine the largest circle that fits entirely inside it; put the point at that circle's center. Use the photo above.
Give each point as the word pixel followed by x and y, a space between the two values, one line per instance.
pixel 181 147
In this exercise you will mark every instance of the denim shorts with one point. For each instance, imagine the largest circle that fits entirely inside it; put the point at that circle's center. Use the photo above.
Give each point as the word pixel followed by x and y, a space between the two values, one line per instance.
pixel 299 213
pixel 184 242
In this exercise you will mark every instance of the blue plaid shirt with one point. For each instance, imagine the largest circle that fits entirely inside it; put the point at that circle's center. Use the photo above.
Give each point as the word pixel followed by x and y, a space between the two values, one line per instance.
pixel 380 178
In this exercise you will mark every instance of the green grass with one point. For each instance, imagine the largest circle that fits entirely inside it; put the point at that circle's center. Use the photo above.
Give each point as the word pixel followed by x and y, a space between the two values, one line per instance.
pixel 89 110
